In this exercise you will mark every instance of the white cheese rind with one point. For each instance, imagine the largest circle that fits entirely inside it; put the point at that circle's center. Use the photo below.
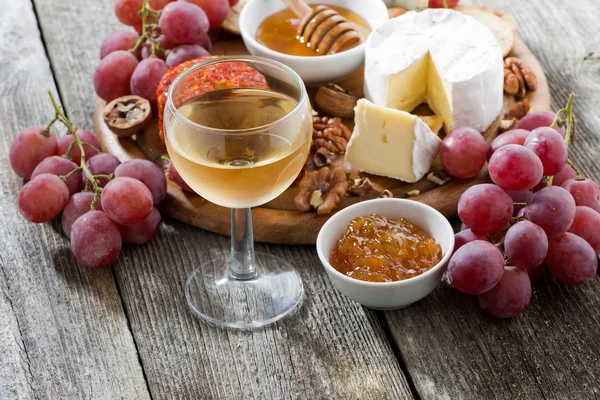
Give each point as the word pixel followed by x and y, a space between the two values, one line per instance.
pixel 463 52
pixel 391 143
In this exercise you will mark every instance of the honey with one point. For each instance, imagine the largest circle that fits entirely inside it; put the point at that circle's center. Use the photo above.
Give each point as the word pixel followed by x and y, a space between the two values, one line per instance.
pixel 377 249
pixel 278 31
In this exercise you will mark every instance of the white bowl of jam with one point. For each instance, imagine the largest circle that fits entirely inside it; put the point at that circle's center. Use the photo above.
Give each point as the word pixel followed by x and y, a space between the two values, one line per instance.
pixel 373 244
pixel 314 69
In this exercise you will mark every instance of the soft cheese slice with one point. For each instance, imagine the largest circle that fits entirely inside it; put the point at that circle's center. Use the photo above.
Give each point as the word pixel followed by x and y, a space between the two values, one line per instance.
pixel 391 143
pixel 408 4
pixel 441 57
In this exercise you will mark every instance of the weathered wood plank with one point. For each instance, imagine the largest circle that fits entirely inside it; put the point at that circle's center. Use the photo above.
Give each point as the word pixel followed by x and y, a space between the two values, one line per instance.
pixel 552 351
pixel 63 333
pixel 330 348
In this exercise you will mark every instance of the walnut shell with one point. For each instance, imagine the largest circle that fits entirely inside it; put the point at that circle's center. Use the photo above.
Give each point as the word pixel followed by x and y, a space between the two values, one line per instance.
pixel 127 115
pixel 333 100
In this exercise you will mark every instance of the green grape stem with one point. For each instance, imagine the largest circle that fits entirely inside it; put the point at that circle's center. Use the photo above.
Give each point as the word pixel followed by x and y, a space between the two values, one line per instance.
pixel 570 130
pixel 60 116
pixel 146 12
pixel 445 3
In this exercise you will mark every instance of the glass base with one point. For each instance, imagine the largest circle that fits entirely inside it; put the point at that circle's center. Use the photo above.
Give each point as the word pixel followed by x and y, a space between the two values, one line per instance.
pixel 215 296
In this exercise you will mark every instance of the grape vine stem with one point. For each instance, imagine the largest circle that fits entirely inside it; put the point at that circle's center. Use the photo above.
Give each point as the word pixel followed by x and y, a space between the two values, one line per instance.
pixel 570 130
pixel 60 116
pixel 146 12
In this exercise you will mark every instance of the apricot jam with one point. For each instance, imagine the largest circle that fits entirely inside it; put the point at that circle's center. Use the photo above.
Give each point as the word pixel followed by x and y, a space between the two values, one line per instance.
pixel 377 249
pixel 278 31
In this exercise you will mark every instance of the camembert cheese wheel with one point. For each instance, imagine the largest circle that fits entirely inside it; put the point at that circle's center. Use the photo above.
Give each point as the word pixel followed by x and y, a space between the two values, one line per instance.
pixel 391 143
pixel 441 57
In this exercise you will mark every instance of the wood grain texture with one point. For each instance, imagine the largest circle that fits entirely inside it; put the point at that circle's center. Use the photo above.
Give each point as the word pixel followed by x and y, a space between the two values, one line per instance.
pixel 277 220
pixel 552 351
pixel 63 333
pixel 330 348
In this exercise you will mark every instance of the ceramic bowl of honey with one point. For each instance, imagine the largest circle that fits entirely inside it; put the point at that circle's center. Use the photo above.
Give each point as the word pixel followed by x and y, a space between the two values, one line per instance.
pixel 268 29
pixel 386 253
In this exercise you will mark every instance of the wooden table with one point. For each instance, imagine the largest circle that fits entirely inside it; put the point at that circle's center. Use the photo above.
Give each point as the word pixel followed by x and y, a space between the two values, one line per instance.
pixel 67 332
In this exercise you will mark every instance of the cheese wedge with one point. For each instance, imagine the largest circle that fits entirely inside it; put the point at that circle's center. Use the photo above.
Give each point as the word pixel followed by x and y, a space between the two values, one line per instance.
pixel 391 143
pixel 441 57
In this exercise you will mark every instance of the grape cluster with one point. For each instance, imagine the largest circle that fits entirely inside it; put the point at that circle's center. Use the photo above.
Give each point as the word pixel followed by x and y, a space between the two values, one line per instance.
pixel 103 202
pixel 540 212
pixel 163 34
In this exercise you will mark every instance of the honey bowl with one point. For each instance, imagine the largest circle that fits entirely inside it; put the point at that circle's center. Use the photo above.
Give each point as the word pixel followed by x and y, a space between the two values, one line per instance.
pixel 387 295
pixel 313 70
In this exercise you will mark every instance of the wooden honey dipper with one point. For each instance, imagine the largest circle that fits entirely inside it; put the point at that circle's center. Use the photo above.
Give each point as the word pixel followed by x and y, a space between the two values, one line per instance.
pixel 324 30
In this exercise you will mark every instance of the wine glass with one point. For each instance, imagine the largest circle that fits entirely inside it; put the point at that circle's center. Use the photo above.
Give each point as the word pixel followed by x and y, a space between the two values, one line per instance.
pixel 240 144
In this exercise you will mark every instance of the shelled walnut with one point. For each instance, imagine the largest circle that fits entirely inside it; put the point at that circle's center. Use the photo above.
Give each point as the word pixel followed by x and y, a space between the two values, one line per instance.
pixel 331 134
pixel 518 79
pixel 321 190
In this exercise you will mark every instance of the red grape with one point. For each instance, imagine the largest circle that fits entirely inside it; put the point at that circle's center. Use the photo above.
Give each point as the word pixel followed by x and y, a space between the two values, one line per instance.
pixel 101 164
pixel 205 42
pixel 233 2
pixel 60 166
pixel 77 205
pixel 586 225
pixel 526 245
pixel 95 240
pixel 514 136
pixel 148 173
pixel 463 153
pixel 120 40
pixel 175 177
pixel 111 79
pixel 146 77
pixel 43 198
pixel 585 192
pixel 550 147
pixel 553 209
pixel 159 4
pixel 86 137
pixel 564 175
pixel 510 296
pixel 29 148
pixel 216 10
pixel 538 119
pixel 126 201
pixel 476 267
pixel 185 52
pixel 127 11
pixel 571 259
pixel 514 167
pixel 536 272
pixel 142 232
pixel 183 23
pixel 485 208
pixel 465 236
pixel 440 3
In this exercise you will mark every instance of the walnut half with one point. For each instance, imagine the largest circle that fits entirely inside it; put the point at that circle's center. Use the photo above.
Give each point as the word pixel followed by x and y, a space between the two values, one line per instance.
pixel 321 190
pixel 127 115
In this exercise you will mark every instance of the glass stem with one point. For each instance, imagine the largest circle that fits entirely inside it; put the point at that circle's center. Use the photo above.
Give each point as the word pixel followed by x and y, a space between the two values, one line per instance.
pixel 242 245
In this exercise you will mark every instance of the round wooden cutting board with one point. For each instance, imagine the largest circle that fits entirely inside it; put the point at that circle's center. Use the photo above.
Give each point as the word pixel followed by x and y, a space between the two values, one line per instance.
pixel 278 221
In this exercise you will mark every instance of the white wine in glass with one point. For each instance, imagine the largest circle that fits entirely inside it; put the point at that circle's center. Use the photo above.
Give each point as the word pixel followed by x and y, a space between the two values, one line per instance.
pixel 240 147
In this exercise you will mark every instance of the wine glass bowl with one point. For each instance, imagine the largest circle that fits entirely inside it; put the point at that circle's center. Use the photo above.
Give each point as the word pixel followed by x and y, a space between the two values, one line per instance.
pixel 240 143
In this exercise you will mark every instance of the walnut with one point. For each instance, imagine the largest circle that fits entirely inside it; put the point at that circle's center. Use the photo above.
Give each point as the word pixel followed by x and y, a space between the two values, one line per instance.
pixel 127 115
pixel 518 110
pixel 331 134
pixel 386 194
pixel 336 101
pixel 360 186
pixel 440 177
pixel 323 157
pixel 518 78
pixel 507 124
pixel 322 190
